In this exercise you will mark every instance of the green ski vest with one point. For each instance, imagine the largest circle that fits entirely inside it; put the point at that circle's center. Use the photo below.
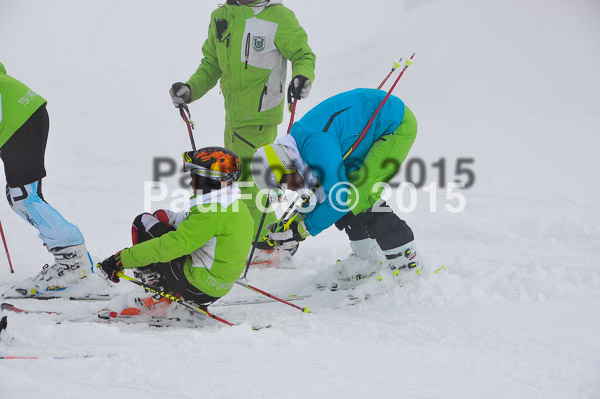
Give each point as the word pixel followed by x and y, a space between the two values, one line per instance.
pixel 17 103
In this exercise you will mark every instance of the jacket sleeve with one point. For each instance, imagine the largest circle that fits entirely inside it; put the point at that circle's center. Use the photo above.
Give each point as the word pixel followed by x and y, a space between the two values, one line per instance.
pixel 292 41
pixel 190 235
pixel 208 73
pixel 332 176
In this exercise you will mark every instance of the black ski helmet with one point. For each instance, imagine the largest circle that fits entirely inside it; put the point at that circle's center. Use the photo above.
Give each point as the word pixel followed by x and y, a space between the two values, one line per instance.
pixel 211 166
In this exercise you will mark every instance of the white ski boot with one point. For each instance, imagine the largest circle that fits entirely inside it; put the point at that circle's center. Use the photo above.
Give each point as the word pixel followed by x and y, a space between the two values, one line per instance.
pixel 368 261
pixel 405 257
pixel 72 267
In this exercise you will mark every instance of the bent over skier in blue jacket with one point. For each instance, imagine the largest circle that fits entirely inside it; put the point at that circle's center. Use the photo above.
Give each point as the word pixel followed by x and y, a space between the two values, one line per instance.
pixel 317 152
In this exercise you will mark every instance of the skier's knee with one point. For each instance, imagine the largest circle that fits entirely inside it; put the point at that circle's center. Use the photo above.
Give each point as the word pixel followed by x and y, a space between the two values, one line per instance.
pixel 22 200
pixel 148 226
pixel 355 226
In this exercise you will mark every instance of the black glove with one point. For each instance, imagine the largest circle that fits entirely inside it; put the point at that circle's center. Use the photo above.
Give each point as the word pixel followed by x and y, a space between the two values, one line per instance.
pixel 181 93
pixel 299 88
pixel 110 267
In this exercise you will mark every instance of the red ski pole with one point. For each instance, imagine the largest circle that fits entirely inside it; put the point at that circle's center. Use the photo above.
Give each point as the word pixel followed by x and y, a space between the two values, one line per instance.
pixel 183 109
pixel 6 249
pixel 305 310
pixel 396 66
pixel 366 129
pixel 293 111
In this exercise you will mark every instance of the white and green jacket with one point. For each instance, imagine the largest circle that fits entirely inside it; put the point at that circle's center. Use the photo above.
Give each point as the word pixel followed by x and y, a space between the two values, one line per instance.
pixel 247 49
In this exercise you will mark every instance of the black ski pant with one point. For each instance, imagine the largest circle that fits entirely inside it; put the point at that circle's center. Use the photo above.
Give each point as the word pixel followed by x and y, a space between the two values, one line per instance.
pixel 380 224
pixel 23 154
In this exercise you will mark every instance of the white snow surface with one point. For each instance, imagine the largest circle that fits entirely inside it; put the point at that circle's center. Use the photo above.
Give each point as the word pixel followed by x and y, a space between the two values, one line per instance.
pixel 516 314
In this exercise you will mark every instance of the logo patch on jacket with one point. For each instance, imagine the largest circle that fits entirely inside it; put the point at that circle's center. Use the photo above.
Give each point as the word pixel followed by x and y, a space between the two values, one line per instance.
pixel 259 43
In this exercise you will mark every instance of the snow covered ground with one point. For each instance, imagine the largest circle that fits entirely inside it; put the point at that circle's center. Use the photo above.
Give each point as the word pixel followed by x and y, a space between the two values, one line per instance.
pixel 511 84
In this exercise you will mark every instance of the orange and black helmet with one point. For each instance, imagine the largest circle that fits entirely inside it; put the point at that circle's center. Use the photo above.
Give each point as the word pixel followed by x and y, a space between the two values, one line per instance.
pixel 214 163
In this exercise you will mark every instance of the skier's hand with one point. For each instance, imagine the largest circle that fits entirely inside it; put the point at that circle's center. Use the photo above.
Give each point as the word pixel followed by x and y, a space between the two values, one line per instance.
pixel 290 237
pixel 181 93
pixel 110 267
pixel 299 88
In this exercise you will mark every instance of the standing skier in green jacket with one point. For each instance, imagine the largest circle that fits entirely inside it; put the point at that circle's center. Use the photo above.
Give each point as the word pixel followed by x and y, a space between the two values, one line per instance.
pixel 249 43
pixel 198 254
pixel 24 127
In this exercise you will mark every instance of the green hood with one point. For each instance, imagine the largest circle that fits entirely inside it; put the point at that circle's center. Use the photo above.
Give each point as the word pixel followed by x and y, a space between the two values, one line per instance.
pixel 2 69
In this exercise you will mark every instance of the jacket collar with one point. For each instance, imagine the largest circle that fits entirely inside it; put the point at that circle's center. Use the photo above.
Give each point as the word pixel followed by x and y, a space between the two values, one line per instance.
pixel 225 196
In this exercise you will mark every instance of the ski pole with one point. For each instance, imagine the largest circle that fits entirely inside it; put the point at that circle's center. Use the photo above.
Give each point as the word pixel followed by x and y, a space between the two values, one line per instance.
pixel 292 106
pixel 257 237
pixel 6 248
pixel 305 310
pixel 389 93
pixel 174 299
pixel 183 109
pixel 396 66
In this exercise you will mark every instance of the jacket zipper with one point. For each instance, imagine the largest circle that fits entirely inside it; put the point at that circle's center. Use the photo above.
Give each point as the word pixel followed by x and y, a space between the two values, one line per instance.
pixel 262 95
pixel 326 128
pixel 243 139
pixel 247 52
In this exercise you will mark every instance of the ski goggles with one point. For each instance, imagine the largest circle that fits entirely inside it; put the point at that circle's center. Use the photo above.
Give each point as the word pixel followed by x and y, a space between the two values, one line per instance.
pixel 198 170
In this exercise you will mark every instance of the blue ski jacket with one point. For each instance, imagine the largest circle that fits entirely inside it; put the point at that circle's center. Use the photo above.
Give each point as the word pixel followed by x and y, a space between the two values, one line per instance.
pixel 326 133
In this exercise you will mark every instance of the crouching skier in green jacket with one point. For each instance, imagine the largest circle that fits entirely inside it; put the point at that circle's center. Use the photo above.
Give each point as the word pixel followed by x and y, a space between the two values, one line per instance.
pixel 248 46
pixel 197 255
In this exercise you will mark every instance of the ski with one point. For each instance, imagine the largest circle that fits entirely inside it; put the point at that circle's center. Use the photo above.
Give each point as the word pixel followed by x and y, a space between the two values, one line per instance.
pixel 43 357
pixel 12 308
pixel 290 298
pixel 106 316
pixel 87 297
pixel 15 309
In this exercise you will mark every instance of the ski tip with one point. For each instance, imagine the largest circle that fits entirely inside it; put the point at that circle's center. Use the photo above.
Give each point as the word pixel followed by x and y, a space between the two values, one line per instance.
pixel 261 327
pixel 439 269
pixel 306 310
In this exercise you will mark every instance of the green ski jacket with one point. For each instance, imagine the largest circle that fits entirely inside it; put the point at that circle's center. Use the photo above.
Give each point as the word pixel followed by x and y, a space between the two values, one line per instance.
pixel 248 48
pixel 17 103
pixel 217 234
